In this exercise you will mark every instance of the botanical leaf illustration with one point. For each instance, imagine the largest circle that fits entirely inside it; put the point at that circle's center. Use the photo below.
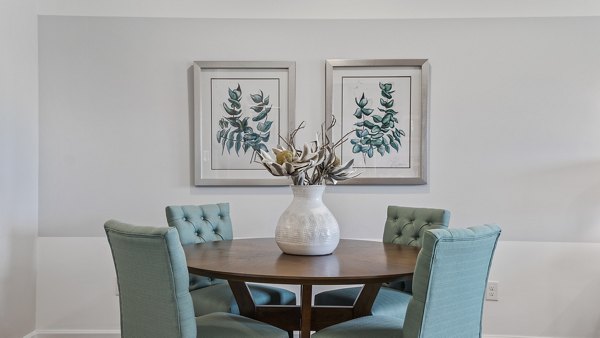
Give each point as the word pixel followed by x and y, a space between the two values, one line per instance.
pixel 257 98
pixel 235 131
pixel 362 110
pixel 379 133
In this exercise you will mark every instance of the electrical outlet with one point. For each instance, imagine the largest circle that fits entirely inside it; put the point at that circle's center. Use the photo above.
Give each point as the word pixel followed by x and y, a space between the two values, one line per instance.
pixel 491 292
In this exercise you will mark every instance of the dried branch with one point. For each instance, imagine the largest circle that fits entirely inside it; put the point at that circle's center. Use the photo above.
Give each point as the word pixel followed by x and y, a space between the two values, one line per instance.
pixel 313 164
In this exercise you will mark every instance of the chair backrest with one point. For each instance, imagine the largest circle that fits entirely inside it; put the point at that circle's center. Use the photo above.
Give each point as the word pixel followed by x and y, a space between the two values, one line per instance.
pixel 407 226
pixel 449 283
pixel 200 224
pixel 153 281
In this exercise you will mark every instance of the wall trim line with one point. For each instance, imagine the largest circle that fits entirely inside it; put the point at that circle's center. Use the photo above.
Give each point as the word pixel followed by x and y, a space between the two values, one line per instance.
pixel 37 333
pixel 31 334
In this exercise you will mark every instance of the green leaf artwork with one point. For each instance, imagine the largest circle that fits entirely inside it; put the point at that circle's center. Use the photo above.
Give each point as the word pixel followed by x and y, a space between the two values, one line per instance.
pixel 377 132
pixel 236 132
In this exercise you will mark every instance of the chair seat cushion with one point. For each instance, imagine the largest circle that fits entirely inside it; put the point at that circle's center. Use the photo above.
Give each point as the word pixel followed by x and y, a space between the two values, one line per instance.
pixel 369 326
pixel 389 302
pixel 227 325
pixel 219 298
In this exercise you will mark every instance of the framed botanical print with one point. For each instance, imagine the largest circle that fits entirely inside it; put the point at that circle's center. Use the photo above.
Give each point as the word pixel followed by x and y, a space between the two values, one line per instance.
pixel 382 107
pixel 239 109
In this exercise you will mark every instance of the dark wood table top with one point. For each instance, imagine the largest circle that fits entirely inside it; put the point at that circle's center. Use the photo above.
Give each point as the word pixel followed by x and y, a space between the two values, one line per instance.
pixel 260 260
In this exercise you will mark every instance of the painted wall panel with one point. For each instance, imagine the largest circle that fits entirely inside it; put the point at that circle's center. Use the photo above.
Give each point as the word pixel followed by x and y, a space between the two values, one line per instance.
pixel 18 166
pixel 513 120
pixel 541 292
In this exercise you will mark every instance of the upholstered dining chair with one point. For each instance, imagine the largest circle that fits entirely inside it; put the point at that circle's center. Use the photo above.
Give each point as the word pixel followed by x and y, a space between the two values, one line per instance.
pixel 212 222
pixel 448 291
pixel 404 225
pixel 154 298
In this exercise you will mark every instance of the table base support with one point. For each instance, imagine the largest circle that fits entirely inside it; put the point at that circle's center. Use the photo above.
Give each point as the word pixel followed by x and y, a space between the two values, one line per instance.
pixel 304 317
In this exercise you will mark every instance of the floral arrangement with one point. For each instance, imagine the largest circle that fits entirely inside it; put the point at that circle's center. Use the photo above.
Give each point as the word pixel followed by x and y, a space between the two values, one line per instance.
pixel 316 163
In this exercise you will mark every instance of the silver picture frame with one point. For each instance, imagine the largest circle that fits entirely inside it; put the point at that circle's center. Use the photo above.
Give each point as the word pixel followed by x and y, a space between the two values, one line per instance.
pixel 382 106
pixel 239 108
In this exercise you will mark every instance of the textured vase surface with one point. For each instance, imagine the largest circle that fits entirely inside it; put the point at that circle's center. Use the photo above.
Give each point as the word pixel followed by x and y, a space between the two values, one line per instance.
pixel 307 226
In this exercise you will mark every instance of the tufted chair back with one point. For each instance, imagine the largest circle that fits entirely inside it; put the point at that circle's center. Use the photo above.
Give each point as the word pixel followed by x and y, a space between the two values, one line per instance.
pixel 407 226
pixel 200 224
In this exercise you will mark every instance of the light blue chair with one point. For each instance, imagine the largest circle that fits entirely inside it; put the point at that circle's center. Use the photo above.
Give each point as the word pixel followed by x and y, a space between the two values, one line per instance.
pixel 405 226
pixel 153 289
pixel 212 222
pixel 448 290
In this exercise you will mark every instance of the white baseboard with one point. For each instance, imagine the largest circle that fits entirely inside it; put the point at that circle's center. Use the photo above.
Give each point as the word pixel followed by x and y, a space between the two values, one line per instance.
pixel 74 334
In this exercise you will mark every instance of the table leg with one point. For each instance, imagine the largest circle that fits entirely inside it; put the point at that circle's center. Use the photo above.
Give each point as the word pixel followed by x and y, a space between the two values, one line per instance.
pixel 305 310
pixel 366 298
pixel 286 317
pixel 244 298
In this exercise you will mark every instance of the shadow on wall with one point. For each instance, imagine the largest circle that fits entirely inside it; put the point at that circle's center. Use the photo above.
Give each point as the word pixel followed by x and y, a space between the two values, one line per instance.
pixel 17 276
pixel 190 86
pixel 585 206
pixel 545 290
pixel 586 323
pixel 560 203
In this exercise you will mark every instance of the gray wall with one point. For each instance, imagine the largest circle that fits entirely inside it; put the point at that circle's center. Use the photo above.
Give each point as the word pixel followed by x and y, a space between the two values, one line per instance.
pixel 18 166
pixel 513 121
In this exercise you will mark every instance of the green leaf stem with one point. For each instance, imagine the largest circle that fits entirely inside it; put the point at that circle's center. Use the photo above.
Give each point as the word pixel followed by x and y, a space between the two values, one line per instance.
pixel 235 130
pixel 371 137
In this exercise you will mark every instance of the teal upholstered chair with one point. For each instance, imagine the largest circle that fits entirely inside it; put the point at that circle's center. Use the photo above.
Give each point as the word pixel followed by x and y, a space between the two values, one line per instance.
pixel 405 226
pixel 212 222
pixel 448 290
pixel 154 298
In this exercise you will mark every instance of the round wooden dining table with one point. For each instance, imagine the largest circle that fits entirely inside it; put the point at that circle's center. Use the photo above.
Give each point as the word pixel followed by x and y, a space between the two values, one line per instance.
pixel 260 260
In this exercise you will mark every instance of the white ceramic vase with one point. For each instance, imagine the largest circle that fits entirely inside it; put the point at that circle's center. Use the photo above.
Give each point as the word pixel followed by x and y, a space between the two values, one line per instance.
pixel 307 227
